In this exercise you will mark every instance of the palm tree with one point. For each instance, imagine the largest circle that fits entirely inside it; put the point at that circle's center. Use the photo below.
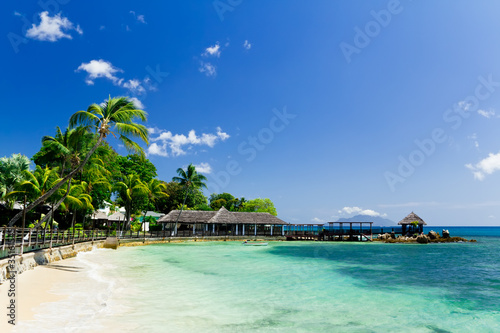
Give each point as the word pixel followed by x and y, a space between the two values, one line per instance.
pixel 118 114
pixel 37 184
pixel 129 190
pixel 78 199
pixel 12 172
pixel 190 180
pixel 155 190
pixel 65 149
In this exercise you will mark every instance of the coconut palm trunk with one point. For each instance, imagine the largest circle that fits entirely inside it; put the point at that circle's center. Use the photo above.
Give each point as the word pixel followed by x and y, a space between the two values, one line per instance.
pixel 178 216
pixel 53 190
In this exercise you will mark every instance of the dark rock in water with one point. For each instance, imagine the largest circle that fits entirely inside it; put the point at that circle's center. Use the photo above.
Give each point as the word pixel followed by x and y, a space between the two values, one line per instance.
pixel 393 235
pixel 433 235
pixel 446 234
pixel 422 239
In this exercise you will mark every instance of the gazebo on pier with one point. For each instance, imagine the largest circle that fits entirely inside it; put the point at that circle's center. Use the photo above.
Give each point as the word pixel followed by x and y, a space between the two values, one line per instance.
pixel 222 223
pixel 406 223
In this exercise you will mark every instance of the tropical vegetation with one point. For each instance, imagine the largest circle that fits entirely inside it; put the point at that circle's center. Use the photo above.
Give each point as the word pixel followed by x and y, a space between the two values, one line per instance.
pixel 76 171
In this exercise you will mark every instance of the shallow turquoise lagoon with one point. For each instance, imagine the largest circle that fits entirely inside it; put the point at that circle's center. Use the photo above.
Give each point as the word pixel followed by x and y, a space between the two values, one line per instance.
pixel 284 287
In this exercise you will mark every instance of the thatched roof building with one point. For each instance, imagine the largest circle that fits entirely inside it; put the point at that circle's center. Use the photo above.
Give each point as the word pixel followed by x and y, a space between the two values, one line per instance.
pixel 406 223
pixel 410 218
pixel 116 216
pixel 99 216
pixel 222 216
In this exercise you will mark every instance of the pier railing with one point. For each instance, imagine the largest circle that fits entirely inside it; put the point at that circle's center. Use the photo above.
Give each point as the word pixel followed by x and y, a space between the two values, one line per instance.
pixel 15 241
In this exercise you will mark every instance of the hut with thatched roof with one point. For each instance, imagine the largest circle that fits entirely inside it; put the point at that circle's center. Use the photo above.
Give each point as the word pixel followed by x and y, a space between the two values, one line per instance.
pixel 99 218
pixel 222 223
pixel 408 221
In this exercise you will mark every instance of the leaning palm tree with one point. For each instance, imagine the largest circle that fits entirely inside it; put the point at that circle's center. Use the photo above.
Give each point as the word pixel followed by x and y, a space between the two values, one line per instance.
pixel 190 180
pixel 116 116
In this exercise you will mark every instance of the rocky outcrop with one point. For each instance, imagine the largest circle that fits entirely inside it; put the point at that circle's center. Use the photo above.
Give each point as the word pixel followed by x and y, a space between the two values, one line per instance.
pixel 433 235
pixel 422 239
pixel 385 236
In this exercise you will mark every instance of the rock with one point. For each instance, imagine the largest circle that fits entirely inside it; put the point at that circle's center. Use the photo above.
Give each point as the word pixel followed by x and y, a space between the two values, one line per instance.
pixel 393 235
pixel 433 235
pixel 422 239
pixel 385 236
pixel 446 234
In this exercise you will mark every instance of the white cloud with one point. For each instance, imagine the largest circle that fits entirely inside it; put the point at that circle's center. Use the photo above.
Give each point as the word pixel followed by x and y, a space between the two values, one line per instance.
pixel 104 69
pixel 359 211
pixel 223 136
pixel 138 103
pixel 134 86
pixel 102 27
pixel 99 68
pixel 485 167
pixel 139 18
pixel 208 69
pixel 155 149
pixel 247 45
pixel 52 28
pixel 213 51
pixel 486 114
pixel 16 13
pixel 177 142
pixel 317 220
pixel 203 168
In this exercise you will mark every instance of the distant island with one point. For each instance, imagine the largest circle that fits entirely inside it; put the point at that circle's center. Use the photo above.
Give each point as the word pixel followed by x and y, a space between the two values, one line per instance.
pixel 377 220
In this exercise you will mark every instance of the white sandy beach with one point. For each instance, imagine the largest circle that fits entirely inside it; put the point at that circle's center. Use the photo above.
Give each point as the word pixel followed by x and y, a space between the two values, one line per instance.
pixel 35 287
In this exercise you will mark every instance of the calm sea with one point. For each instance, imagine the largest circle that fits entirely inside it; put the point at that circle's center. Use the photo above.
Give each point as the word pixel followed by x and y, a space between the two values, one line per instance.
pixel 285 287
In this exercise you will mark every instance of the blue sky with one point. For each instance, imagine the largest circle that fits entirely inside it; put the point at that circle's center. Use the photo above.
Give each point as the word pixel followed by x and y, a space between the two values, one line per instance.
pixel 328 108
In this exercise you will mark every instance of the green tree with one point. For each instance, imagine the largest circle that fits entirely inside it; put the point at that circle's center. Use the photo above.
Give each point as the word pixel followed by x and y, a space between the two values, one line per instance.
pixel 155 190
pixel 137 164
pixel 190 180
pixel 12 172
pixel 226 200
pixel 176 194
pixel 64 150
pixel 118 114
pixel 260 205
pixel 37 184
pixel 131 192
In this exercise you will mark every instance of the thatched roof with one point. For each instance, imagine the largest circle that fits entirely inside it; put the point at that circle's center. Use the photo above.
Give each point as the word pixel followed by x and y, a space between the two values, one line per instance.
pixel 221 216
pixel 99 216
pixel 410 218
pixel 117 216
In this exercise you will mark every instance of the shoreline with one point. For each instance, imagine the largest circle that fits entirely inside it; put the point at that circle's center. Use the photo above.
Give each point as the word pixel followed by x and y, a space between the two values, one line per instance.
pixel 37 287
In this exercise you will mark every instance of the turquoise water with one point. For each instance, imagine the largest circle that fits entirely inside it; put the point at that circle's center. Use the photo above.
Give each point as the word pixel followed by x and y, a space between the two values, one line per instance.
pixel 284 287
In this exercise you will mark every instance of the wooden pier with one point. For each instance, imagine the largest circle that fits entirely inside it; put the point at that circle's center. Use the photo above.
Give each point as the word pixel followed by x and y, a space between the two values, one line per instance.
pixel 333 231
